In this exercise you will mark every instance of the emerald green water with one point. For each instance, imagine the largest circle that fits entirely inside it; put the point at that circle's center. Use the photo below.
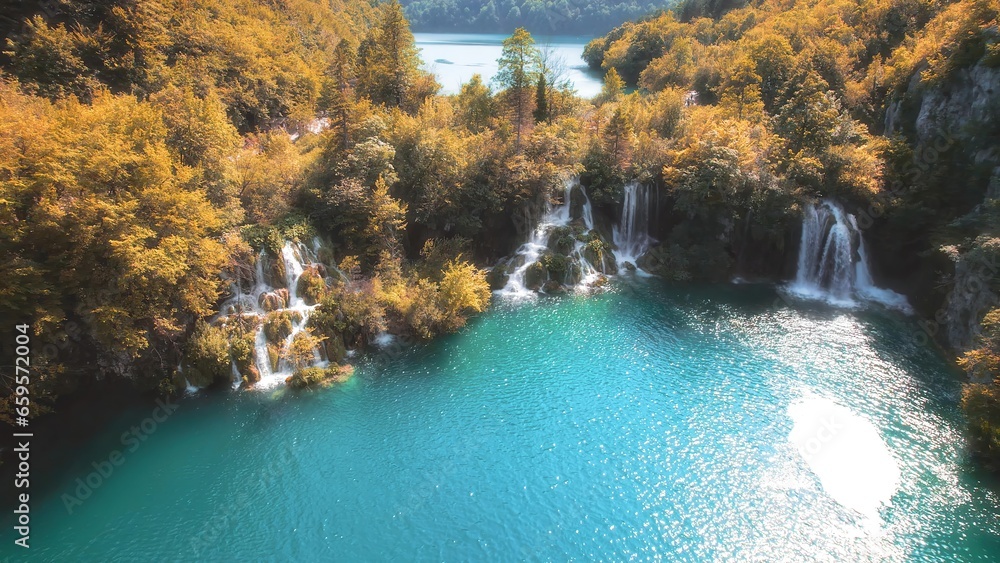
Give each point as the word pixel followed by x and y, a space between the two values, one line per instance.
pixel 653 421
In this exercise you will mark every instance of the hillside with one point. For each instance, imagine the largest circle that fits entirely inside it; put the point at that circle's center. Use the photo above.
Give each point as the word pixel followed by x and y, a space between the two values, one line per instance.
pixel 544 17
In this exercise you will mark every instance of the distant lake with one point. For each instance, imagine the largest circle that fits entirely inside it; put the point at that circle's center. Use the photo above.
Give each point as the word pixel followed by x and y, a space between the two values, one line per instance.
pixel 455 57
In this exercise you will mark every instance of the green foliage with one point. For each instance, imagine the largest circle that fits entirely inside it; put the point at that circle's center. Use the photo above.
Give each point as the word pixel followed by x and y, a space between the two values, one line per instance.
pixel 206 358
pixel 602 176
pixel 263 237
pixel 981 398
pixel 389 63
pixel 541 112
pixel 319 376
pixel 548 16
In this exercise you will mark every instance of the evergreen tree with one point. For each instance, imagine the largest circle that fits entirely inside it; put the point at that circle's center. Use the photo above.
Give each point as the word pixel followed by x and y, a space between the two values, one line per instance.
pixel 541 102
pixel 388 59
pixel 339 97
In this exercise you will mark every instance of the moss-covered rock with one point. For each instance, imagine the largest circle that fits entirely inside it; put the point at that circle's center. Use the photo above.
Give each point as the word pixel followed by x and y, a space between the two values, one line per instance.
pixel 574 273
pixel 576 201
pixel 273 356
pixel 241 349
pixel 598 253
pixel 513 264
pixel 274 272
pixel 278 325
pixel 561 240
pixel 667 261
pixel 273 300
pixel 535 276
pixel 556 265
pixel 498 276
pixel 335 349
pixel 553 287
pixel 320 376
pixel 311 285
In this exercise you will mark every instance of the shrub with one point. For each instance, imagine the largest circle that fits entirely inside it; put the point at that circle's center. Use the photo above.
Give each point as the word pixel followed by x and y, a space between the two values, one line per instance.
pixel 206 357
pixel 315 376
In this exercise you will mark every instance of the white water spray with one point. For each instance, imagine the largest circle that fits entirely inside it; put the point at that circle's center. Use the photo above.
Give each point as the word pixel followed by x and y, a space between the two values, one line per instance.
pixel 833 263
pixel 262 298
pixel 530 252
pixel 631 234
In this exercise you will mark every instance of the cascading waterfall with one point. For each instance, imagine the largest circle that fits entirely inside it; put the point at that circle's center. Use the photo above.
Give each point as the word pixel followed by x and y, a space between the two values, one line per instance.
pixel 631 234
pixel 262 299
pixel 833 264
pixel 530 252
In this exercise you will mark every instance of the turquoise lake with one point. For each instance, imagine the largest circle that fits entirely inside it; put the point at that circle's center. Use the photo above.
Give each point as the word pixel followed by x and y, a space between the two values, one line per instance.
pixel 651 421
pixel 455 57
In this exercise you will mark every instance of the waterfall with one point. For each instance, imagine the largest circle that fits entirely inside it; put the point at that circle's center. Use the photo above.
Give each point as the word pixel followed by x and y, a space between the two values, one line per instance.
pixel 833 263
pixel 262 298
pixel 530 252
pixel 631 234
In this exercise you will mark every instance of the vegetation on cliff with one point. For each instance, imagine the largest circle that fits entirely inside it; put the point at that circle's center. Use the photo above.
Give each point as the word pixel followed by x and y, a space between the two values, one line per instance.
pixel 889 106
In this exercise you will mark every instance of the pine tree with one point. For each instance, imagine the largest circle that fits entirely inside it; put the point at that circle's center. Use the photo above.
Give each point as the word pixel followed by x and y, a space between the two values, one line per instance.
pixel 340 98
pixel 541 101
pixel 388 58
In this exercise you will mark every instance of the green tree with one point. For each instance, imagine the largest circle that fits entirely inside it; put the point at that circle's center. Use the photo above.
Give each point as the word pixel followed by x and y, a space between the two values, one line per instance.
pixel 519 65
pixel 47 60
pixel 810 118
pixel 541 102
pixel 388 60
pixel 338 99
pixel 618 134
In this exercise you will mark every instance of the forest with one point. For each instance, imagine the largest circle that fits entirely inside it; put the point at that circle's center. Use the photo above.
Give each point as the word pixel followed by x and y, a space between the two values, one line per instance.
pixel 150 151
pixel 544 17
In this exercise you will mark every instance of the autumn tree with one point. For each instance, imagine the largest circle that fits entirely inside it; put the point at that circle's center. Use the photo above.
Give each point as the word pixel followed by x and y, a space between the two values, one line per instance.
pixel 386 222
pixel 741 91
pixel 476 105
pixel 519 62
pixel 613 88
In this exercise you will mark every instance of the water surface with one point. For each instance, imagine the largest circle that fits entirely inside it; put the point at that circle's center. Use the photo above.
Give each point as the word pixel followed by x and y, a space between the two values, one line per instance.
pixel 455 57
pixel 652 421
